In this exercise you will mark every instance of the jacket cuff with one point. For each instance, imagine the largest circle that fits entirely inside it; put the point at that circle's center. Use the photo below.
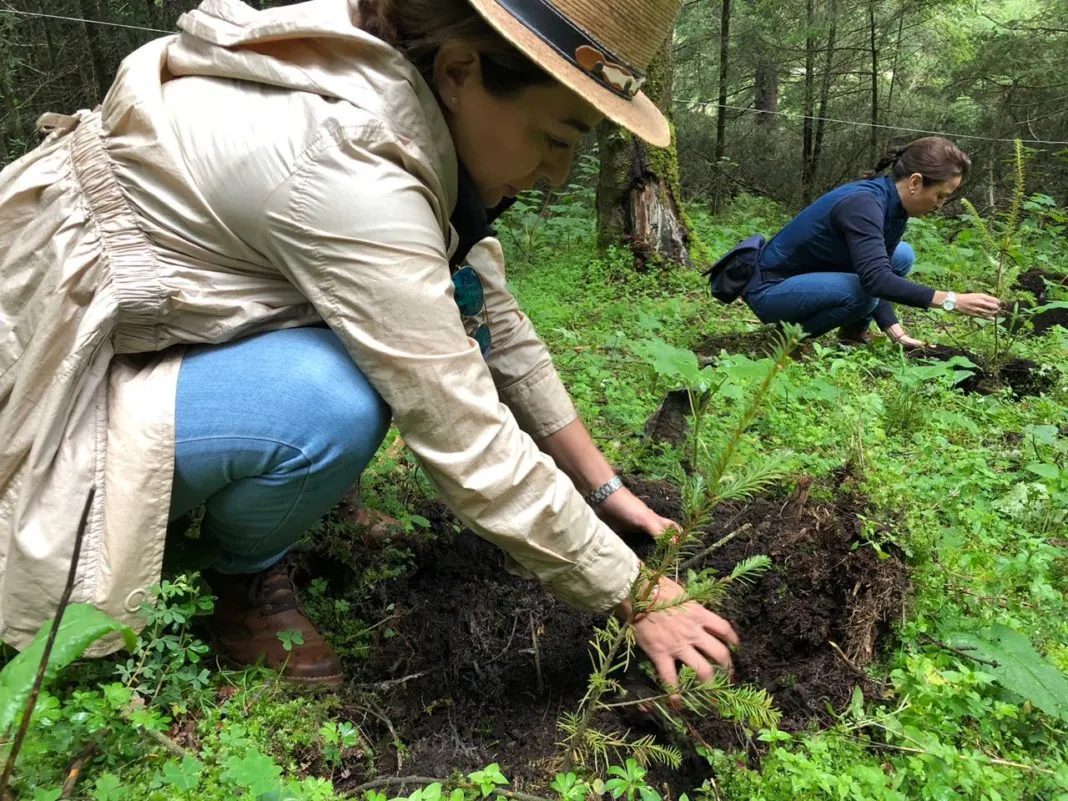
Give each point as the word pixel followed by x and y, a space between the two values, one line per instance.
pixel 540 403
pixel 602 580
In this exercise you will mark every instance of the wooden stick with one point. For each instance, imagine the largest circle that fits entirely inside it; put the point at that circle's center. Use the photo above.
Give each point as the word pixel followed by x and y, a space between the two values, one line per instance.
pixel 38 680
pixel 76 770
pixel 715 546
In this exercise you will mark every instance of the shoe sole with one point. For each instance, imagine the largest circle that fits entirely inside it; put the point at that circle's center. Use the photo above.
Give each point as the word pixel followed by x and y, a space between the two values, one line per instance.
pixel 331 682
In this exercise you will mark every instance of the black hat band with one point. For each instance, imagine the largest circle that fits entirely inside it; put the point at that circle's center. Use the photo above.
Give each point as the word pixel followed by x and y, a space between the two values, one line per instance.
pixel 557 31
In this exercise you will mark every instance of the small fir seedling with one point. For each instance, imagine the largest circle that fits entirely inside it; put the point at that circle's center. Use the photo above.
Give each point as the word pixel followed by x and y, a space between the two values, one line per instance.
pixel 717 478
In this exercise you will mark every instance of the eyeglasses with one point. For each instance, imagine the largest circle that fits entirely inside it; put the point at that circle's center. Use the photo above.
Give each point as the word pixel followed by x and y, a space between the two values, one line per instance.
pixel 471 300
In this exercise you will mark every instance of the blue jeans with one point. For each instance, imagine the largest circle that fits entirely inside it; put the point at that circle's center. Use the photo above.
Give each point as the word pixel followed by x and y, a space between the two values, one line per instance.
pixel 820 301
pixel 271 431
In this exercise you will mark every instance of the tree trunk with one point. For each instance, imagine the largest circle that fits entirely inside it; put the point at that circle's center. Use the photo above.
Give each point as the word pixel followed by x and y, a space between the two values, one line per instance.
pixel 12 131
pixel 810 81
pixel 888 106
pixel 639 185
pixel 873 145
pixel 767 90
pixel 825 90
pixel 101 75
pixel 724 50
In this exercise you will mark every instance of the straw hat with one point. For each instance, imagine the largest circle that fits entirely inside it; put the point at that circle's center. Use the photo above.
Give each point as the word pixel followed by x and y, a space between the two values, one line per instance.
pixel 598 48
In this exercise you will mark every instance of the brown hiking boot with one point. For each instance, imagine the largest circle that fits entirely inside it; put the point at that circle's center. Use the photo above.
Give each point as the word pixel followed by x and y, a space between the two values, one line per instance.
pixel 855 335
pixel 251 609
pixel 375 528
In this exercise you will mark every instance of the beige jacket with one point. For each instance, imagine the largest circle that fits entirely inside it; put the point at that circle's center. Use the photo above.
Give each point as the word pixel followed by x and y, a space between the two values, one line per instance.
pixel 260 170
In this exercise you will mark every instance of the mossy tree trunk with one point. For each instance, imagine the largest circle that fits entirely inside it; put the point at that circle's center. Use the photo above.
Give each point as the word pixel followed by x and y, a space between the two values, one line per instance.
pixel 637 192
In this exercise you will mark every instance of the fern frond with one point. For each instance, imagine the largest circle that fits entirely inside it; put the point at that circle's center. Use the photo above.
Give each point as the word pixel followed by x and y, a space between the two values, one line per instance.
pixel 982 225
pixel 1012 226
pixel 749 569
pixel 741 486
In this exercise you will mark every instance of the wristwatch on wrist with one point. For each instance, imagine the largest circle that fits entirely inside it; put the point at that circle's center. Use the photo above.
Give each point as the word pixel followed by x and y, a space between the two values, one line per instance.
pixel 597 496
pixel 950 303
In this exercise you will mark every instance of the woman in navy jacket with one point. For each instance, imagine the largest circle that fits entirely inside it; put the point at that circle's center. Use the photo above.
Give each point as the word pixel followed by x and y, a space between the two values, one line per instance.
pixel 841 262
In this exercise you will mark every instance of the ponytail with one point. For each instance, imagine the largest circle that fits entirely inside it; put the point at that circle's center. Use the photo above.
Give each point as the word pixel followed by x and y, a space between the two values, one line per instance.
pixel 889 160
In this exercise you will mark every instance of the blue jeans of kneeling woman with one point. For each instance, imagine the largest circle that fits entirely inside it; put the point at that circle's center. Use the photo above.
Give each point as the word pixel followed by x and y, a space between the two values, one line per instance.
pixel 821 301
pixel 270 432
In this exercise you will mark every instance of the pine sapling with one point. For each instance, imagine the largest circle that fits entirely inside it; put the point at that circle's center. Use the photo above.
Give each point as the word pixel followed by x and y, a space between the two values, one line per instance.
pixel 716 480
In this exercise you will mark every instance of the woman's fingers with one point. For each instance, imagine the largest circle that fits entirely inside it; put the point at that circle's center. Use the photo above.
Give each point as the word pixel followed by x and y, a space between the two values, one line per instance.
pixel 715 650
pixel 692 657
pixel 979 304
pixel 664 663
pixel 718 627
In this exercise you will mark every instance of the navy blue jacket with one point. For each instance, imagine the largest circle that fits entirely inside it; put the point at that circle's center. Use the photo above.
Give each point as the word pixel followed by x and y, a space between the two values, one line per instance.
pixel 854 228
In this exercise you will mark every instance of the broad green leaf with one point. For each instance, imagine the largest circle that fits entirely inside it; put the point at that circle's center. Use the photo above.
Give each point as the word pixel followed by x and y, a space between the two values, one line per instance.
pixel 82 625
pixel 1020 668
pixel 184 775
pixel 255 772
pixel 1043 433
pixel 673 363
pixel 107 788
pixel 1044 469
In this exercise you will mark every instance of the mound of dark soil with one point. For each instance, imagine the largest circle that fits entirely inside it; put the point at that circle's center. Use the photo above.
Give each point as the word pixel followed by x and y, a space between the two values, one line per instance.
pixel 480 664
pixel 1037 282
pixel 1023 376
pixel 820 590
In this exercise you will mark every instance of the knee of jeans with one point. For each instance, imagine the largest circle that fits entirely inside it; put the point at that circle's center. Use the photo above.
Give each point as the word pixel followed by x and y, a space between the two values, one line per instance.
pixel 358 421
pixel 343 416
pixel 903 259
pixel 860 302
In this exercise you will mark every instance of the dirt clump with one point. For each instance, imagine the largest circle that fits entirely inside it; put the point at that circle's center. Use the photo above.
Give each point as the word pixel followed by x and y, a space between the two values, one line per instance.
pixel 757 344
pixel 1023 376
pixel 1037 282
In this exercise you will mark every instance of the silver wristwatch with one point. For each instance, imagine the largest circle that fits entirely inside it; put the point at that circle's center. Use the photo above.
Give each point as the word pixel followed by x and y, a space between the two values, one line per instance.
pixel 598 496
pixel 950 303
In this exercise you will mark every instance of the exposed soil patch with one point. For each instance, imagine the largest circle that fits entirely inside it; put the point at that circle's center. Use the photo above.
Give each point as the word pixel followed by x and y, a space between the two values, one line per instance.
pixel 493 660
pixel 1037 282
pixel 818 591
pixel 755 344
pixel 1023 376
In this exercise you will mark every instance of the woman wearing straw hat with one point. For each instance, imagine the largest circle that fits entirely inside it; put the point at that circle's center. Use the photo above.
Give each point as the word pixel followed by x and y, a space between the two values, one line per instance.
pixel 220 286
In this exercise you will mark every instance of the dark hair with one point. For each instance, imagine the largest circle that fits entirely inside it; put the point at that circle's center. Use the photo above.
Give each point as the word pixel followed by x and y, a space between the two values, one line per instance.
pixel 935 158
pixel 418 28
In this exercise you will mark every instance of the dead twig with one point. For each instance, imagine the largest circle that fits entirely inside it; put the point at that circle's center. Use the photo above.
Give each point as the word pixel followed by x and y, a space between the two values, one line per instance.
pixel 157 737
pixel 535 652
pixel 959 651
pixel 31 701
pixel 849 662
pixel 76 769
pixel 398 745
pixel 715 546
pixel 389 684
pixel 1007 763
pixel 507 645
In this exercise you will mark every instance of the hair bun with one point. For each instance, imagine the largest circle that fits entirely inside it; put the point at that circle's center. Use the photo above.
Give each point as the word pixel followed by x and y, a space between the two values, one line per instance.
pixel 373 16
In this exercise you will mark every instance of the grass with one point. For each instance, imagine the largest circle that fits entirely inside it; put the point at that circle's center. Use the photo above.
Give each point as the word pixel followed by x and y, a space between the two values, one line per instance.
pixel 983 531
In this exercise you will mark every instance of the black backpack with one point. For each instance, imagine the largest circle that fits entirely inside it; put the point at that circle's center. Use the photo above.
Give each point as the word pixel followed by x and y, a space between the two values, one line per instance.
pixel 736 273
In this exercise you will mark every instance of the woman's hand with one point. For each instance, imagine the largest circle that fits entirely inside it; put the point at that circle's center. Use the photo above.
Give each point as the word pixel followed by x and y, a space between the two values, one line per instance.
pixel 978 304
pixel 896 333
pixel 625 511
pixel 687 633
